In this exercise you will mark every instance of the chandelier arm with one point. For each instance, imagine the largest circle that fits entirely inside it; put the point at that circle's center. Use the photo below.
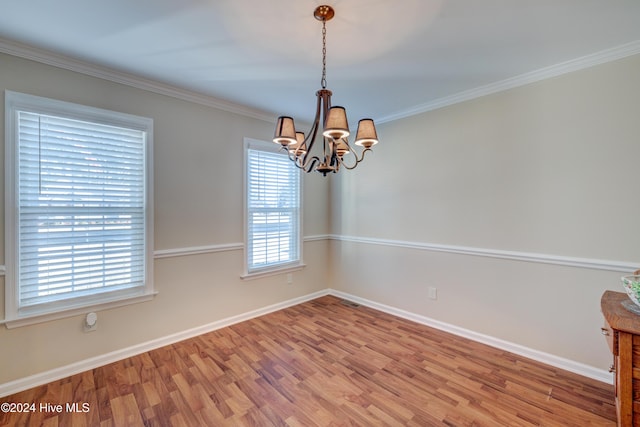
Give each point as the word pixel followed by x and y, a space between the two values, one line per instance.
pixel 355 155
pixel 313 132
pixel 311 164
pixel 309 140
pixel 324 104
pixel 305 159
pixel 305 163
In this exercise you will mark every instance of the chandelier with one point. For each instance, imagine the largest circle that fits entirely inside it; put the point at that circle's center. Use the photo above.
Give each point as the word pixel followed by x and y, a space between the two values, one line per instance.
pixel 336 150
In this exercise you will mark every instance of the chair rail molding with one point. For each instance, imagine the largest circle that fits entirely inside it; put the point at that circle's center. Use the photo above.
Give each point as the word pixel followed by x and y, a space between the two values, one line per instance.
pixel 596 264
pixel 224 247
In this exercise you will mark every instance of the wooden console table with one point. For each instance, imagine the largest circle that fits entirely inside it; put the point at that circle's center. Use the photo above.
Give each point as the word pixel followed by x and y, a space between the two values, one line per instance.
pixel 622 331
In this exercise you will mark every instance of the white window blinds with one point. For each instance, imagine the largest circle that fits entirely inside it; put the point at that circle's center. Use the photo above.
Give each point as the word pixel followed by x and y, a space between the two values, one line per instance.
pixel 81 229
pixel 273 210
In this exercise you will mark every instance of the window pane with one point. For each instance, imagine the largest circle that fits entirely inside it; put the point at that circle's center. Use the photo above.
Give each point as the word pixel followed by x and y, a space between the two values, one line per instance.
pixel 273 188
pixel 81 208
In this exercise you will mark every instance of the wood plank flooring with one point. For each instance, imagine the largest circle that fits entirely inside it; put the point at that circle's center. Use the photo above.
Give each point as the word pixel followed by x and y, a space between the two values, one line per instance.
pixel 322 363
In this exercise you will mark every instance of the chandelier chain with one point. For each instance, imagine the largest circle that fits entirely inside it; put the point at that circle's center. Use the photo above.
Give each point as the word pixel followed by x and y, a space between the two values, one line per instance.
pixel 323 82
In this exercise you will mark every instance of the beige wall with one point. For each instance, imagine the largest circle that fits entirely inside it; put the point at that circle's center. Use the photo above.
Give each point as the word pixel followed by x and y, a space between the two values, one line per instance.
pixel 547 168
pixel 198 202
pixel 550 168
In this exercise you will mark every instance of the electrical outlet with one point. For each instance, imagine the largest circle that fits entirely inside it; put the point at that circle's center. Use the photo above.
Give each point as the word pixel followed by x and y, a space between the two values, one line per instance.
pixel 289 278
pixel 91 322
pixel 432 293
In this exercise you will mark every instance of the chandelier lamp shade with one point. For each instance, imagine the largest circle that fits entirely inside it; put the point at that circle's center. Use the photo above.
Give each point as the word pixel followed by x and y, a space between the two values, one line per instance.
pixel 325 149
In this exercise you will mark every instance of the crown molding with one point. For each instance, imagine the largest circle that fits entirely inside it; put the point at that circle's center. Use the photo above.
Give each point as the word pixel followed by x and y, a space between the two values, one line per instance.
pixel 65 62
pixel 61 61
pixel 587 61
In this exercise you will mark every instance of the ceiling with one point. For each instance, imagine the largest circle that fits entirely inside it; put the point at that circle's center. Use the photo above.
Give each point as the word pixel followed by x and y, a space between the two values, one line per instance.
pixel 385 58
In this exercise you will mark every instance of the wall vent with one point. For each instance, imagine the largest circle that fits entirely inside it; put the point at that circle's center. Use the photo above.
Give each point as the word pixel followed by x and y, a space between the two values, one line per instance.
pixel 349 303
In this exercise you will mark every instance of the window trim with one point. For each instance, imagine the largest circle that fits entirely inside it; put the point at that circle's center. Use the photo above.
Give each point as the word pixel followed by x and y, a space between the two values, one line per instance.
pixel 250 143
pixel 15 102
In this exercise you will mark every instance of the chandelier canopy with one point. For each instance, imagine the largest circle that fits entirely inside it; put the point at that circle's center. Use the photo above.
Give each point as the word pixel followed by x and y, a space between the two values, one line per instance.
pixel 336 150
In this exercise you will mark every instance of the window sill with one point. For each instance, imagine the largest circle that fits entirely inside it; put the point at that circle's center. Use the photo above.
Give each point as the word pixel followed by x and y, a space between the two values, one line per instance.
pixel 272 272
pixel 32 319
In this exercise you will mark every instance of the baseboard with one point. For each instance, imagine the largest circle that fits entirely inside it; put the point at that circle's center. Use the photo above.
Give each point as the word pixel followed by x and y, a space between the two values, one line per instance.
pixel 546 358
pixel 23 384
pixel 26 383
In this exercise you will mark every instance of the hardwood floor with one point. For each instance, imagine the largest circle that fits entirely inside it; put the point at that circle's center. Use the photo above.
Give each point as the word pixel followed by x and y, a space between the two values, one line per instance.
pixel 321 363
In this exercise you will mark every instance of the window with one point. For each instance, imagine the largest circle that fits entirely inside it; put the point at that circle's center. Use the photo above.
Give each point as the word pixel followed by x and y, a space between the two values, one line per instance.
pixel 272 200
pixel 79 211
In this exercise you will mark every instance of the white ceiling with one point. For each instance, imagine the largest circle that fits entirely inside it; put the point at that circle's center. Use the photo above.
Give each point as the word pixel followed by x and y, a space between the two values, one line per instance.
pixel 385 58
